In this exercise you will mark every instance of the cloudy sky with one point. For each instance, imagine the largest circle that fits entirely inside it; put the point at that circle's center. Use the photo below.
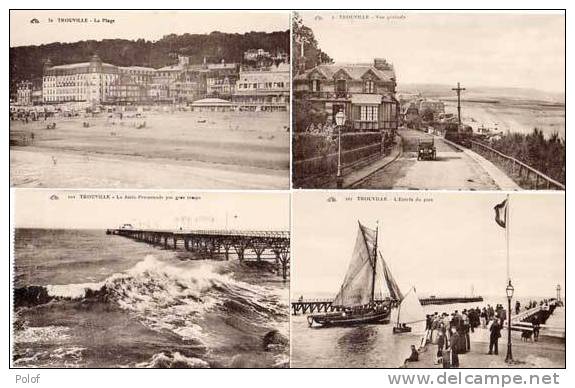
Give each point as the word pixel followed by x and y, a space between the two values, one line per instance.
pixel 479 49
pixel 150 25
pixel 441 247
pixel 247 211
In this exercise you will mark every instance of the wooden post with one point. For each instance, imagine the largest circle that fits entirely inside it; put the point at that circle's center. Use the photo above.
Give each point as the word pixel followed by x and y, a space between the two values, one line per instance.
pixel 227 250
pixel 240 249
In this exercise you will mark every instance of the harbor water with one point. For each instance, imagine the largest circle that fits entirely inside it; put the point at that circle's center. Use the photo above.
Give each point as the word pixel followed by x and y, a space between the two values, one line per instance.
pixel 371 346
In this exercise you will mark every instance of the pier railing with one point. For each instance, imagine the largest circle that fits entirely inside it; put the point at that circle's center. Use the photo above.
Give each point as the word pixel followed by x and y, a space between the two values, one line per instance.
pixel 525 175
pixel 245 245
pixel 303 306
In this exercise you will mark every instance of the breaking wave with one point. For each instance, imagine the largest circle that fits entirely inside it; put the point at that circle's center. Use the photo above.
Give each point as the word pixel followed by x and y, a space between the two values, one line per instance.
pixel 168 360
pixel 174 298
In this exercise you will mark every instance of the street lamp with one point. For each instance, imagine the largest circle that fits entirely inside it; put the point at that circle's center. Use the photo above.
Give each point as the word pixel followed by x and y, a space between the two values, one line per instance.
pixel 339 121
pixel 509 291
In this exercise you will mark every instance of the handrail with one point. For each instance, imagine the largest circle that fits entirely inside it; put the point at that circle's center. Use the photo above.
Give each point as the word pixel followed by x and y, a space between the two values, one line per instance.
pixel 515 161
pixel 214 232
pixel 333 154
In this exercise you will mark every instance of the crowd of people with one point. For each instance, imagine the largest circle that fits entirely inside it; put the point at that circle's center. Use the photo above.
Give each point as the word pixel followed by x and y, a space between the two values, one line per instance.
pixel 451 332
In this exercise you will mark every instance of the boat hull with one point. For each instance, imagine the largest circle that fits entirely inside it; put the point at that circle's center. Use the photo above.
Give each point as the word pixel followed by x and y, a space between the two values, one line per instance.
pixel 400 330
pixel 380 315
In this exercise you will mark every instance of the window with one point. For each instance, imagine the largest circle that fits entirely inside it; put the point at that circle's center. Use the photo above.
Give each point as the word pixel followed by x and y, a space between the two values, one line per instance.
pixel 340 86
pixel 369 86
pixel 315 85
pixel 368 113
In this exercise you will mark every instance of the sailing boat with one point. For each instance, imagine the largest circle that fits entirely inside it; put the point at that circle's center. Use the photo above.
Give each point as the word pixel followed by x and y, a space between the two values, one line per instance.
pixel 409 311
pixel 368 290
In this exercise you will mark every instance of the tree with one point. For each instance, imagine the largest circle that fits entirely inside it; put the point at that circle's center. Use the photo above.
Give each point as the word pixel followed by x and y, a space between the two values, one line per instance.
pixel 307 53
pixel 428 115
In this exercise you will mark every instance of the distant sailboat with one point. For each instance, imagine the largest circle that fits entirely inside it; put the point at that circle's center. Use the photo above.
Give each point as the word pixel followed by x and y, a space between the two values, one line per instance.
pixel 409 312
pixel 368 289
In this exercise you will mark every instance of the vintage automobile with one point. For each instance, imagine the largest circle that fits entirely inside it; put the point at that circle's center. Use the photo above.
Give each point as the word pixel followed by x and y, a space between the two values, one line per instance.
pixel 426 149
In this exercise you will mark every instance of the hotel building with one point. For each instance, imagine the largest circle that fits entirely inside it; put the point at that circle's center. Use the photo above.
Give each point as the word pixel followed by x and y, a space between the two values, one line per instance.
pixel 364 92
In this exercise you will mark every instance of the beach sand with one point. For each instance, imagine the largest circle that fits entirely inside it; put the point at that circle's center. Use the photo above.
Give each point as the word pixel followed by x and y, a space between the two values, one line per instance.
pixel 235 150
pixel 512 115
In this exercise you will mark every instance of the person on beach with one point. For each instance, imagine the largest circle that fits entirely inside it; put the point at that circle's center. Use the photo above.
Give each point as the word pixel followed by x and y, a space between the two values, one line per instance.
pixel 502 315
pixel 465 328
pixel 455 344
pixel 490 313
pixel 441 342
pixel 495 330
pixel 517 307
pixel 536 328
pixel 413 357
pixel 483 317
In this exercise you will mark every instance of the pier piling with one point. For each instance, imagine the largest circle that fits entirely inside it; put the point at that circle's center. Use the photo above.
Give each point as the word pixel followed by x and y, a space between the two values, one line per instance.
pixel 257 246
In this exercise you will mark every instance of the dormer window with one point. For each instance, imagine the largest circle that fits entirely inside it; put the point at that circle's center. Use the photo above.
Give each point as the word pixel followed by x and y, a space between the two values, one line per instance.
pixel 369 86
pixel 315 85
pixel 340 86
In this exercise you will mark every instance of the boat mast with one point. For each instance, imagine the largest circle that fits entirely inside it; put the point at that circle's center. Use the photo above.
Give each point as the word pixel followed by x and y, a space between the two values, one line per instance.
pixel 374 263
pixel 398 311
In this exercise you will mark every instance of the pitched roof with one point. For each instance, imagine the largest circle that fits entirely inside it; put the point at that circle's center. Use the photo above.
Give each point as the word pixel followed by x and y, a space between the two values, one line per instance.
pixel 78 66
pixel 355 71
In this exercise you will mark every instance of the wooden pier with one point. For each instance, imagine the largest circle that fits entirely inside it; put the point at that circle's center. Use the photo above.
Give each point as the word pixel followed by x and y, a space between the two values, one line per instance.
pixel 319 306
pixel 213 244
pixel 450 300
pixel 324 305
pixel 525 319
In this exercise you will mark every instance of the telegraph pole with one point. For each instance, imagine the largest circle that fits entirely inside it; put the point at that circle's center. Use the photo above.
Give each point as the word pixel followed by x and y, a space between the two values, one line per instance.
pixel 458 89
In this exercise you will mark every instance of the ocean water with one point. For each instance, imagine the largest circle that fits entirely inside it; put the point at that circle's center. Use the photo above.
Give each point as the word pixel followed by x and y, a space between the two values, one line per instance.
pixel 371 346
pixel 87 299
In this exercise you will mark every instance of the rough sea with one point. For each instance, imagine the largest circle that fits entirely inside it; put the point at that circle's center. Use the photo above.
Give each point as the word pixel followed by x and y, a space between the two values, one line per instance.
pixel 86 299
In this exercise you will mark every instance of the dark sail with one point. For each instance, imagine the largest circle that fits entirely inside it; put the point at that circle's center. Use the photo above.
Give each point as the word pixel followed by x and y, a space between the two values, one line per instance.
pixel 390 283
pixel 357 284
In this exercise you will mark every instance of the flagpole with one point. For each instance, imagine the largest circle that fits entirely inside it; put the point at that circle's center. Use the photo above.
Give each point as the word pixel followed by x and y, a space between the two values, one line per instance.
pixel 507 227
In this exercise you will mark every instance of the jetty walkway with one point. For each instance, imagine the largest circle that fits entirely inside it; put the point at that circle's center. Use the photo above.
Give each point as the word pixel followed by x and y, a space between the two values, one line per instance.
pixel 547 352
pixel 310 306
pixel 245 245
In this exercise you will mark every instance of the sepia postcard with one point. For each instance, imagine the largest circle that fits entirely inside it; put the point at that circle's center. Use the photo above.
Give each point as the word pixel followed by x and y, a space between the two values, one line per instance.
pixel 429 101
pixel 312 189
pixel 149 99
pixel 428 280
pixel 113 279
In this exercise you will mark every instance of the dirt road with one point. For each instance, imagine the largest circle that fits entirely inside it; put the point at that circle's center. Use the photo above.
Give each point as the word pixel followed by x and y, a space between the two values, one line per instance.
pixel 453 169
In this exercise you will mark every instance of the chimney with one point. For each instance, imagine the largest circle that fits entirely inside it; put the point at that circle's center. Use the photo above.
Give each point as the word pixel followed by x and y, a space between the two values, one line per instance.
pixel 381 64
pixel 47 65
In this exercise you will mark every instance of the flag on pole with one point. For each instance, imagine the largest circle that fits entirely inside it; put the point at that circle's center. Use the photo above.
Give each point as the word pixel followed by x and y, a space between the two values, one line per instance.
pixel 501 214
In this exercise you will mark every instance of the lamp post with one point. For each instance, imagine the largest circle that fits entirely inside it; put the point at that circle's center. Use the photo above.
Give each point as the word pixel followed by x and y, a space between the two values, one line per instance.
pixel 339 121
pixel 509 291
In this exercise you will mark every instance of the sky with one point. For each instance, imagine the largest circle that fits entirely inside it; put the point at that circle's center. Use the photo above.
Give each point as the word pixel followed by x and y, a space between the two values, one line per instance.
pixel 149 25
pixel 244 211
pixel 480 49
pixel 442 247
